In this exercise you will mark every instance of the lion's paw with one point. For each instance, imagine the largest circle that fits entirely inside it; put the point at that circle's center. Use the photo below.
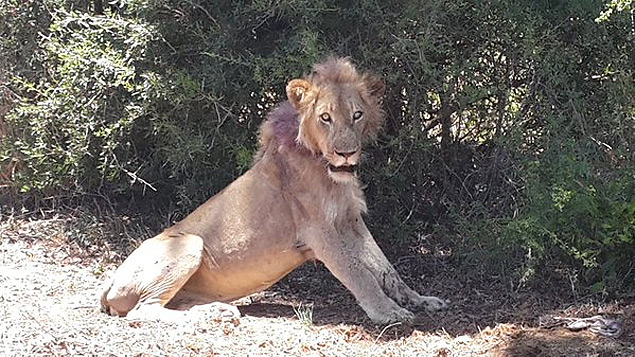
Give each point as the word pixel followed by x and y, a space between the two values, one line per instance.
pixel 394 315
pixel 432 304
pixel 216 311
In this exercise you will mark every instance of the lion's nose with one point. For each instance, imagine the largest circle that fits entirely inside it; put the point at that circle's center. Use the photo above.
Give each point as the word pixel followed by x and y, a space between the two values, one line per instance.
pixel 345 154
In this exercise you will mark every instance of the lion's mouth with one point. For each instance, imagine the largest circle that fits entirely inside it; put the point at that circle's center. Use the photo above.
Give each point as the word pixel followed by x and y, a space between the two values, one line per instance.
pixel 351 169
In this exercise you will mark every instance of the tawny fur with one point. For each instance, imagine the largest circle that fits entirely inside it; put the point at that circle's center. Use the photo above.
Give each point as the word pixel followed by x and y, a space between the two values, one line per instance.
pixel 300 201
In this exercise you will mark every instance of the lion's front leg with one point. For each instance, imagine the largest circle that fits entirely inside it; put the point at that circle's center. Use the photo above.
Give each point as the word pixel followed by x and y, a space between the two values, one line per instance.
pixel 355 259
pixel 396 288
pixel 346 263
pixel 388 277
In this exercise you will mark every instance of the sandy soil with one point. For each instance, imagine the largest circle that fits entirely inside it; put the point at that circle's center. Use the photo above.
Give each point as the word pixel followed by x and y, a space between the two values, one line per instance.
pixel 51 273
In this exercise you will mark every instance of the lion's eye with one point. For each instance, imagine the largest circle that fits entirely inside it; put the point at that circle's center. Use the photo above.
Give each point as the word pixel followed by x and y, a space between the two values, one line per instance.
pixel 357 115
pixel 325 117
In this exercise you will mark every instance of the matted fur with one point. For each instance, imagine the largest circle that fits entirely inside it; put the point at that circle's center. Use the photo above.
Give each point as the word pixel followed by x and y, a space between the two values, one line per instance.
pixel 300 201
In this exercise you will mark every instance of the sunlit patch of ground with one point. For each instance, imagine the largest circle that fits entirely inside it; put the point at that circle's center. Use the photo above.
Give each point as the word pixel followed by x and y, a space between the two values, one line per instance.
pixel 50 280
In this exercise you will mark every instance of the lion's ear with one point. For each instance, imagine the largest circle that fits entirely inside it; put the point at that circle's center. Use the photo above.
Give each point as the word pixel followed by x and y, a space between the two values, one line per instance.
pixel 375 86
pixel 299 92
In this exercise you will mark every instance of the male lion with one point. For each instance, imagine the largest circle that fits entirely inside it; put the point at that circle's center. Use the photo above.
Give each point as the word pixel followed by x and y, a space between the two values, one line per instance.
pixel 300 201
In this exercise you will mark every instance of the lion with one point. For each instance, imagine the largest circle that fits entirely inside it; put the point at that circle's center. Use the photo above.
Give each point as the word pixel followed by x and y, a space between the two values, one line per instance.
pixel 301 200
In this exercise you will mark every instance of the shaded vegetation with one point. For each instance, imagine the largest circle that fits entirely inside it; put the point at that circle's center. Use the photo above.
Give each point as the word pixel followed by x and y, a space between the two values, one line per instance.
pixel 509 134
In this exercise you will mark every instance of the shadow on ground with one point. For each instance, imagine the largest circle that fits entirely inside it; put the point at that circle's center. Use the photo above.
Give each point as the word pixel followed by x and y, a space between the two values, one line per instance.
pixel 477 313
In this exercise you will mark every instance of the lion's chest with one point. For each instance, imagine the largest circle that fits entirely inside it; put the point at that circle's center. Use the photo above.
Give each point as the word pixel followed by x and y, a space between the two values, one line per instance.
pixel 337 204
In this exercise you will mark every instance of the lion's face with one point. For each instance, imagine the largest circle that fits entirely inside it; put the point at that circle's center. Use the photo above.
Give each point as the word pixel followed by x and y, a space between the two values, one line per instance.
pixel 339 111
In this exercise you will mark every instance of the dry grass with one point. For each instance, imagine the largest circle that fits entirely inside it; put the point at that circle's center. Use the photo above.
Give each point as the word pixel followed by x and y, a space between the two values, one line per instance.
pixel 51 270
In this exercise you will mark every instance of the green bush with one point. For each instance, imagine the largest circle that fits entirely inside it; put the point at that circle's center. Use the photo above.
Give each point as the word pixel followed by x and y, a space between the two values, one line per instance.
pixel 575 215
pixel 73 125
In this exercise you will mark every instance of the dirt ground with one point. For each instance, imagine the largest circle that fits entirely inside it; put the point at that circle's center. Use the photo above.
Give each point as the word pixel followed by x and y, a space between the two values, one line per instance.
pixel 51 272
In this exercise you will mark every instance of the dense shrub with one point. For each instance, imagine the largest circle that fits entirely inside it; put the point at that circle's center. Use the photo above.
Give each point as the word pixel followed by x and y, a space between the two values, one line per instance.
pixel 510 124
pixel 73 126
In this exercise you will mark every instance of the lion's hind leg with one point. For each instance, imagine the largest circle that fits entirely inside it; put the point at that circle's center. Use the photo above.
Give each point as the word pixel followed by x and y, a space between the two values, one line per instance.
pixel 150 277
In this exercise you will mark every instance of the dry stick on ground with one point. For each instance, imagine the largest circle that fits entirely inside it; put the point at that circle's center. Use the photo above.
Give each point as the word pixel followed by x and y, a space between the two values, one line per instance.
pixel 375 346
